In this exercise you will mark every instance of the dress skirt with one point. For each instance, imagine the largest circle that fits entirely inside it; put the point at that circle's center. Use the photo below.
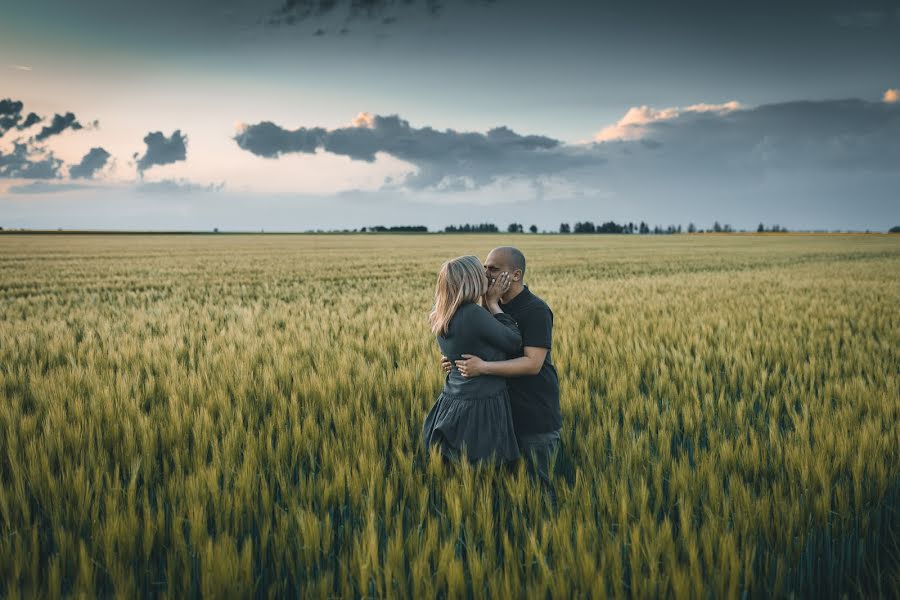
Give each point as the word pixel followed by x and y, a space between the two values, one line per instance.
pixel 479 427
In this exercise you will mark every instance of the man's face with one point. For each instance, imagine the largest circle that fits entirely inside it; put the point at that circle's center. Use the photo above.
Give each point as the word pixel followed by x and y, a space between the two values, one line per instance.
pixel 496 263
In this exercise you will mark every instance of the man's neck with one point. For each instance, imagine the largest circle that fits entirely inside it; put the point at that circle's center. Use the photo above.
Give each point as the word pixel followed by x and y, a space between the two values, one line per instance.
pixel 512 292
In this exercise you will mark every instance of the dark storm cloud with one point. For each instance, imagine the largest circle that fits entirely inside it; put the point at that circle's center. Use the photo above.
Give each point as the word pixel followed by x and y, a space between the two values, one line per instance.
pixel 23 164
pixel 293 12
pixel 847 134
pixel 794 139
pixel 59 124
pixel 162 150
pixel 446 158
pixel 269 140
pixel 11 116
pixel 93 161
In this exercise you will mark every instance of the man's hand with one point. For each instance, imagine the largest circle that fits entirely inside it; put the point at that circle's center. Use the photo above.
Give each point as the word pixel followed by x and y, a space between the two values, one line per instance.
pixel 446 364
pixel 471 366
pixel 496 289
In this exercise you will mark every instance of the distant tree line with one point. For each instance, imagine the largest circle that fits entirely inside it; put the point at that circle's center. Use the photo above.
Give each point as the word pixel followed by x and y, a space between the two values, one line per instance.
pixel 580 227
pixel 772 229
pixel 620 228
pixel 467 228
pixel 644 229
pixel 607 227
pixel 396 228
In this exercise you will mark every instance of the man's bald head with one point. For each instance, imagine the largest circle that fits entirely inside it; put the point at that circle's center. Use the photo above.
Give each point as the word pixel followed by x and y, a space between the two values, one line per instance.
pixel 511 256
pixel 505 258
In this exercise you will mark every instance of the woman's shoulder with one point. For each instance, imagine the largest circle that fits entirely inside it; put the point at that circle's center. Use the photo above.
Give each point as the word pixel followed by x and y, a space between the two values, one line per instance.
pixel 464 313
pixel 469 308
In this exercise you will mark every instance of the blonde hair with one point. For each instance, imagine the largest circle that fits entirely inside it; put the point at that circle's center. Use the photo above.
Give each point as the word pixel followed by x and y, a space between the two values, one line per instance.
pixel 459 281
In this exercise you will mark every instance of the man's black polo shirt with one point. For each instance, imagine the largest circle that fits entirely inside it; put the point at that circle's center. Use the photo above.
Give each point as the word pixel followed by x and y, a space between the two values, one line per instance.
pixel 534 399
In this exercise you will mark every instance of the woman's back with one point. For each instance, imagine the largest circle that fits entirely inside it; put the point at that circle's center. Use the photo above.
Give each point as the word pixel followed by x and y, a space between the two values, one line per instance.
pixel 473 330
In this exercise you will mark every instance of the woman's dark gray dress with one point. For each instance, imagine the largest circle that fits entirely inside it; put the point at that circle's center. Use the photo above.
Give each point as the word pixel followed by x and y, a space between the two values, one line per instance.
pixel 473 415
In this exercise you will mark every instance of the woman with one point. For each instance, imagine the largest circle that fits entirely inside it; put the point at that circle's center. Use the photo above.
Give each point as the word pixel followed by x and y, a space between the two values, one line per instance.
pixel 472 417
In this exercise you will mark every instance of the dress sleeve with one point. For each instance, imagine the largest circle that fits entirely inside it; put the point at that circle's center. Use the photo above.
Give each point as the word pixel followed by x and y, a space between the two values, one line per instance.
pixel 499 331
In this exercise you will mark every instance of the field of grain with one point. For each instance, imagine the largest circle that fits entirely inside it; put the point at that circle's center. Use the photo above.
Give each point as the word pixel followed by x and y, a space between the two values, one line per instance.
pixel 232 415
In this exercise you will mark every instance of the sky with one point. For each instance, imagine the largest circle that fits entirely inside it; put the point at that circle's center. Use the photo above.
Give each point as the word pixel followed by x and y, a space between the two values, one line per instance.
pixel 294 115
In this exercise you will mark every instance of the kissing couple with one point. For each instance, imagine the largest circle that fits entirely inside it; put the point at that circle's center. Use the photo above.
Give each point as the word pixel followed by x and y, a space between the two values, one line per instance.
pixel 500 399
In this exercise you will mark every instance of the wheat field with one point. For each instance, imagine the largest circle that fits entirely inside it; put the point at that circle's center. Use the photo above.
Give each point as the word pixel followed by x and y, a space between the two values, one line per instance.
pixel 191 416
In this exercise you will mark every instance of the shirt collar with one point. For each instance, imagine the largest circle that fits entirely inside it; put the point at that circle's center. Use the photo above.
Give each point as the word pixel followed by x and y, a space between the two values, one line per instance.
pixel 522 297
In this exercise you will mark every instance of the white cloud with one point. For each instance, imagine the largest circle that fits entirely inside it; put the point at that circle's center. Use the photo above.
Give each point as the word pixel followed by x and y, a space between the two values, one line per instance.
pixel 363 119
pixel 633 125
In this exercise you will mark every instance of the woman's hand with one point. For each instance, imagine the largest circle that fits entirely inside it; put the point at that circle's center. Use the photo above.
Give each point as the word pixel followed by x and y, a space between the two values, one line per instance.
pixel 471 366
pixel 446 364
pixel 495 291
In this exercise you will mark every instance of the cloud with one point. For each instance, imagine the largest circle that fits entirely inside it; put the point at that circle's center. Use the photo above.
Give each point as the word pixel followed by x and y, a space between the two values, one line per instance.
pixel 703 142
pixel 21 164
pixel 294 12
pixel 891 95
pixel 11 116
pixel 176 186
pixel 269 140
pixel 59 124
pixel 19 67
pixel 634 124
pixel 442 158
pixel 162 150
pixel 846 134
pixel 860 19
pixel 93 161
pixel 31 119
pixel 43 187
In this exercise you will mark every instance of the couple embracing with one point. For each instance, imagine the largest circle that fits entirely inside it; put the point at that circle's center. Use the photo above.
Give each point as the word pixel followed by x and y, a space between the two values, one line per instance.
pixel 500 399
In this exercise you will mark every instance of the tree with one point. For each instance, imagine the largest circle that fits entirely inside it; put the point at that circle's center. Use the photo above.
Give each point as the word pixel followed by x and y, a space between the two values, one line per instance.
pixel 761 228
pixel 692 228
pixel 631 227
pixel 611 227
pixel 894 229
pixel 468 228
pixel 716 227
pixel 586 227
pixel 564 228
pixel 533 229
pixel 644 228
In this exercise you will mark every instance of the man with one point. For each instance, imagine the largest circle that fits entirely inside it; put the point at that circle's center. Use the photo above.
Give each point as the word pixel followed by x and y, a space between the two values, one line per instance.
pixel 532 380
